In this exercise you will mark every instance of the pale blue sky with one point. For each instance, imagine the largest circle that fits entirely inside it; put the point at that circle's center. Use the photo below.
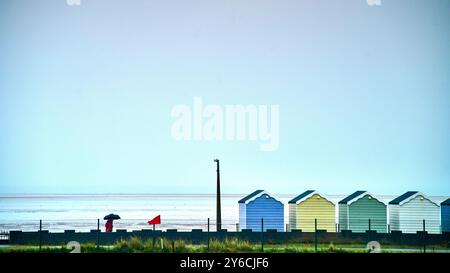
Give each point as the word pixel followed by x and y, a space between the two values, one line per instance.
pixel 86 94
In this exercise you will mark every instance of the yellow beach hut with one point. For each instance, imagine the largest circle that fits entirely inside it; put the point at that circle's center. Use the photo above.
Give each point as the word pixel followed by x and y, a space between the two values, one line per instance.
pixel 309 206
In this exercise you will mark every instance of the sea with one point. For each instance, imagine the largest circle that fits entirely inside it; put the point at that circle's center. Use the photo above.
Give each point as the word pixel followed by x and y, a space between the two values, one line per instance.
pixel 183 212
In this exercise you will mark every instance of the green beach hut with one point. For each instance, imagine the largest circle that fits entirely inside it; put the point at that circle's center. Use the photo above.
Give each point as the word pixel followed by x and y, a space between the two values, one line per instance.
pixel 308 207
pixel 361 211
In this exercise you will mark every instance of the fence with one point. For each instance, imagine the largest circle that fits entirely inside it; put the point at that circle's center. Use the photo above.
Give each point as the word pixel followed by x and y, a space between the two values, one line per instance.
pixel 309 225
pixel 356 225
pixel 262 236
pixel 4 237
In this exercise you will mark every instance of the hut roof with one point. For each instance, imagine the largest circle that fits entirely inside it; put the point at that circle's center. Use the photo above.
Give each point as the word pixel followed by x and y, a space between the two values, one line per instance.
pixel 251 196
pixel 351 197
pixel 302 197
pixel 446 202
pixel 406 197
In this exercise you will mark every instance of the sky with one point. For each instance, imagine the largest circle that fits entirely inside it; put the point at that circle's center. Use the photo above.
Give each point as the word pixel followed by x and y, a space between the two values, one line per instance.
pixel 86 94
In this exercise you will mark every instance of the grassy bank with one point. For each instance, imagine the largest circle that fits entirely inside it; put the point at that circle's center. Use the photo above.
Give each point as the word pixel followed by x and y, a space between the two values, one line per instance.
pixel 136 245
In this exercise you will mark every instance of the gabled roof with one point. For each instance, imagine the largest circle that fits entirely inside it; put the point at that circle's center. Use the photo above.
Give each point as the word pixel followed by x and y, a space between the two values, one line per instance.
pixel 403 197
pixel 446 202
pixel 408 196
pixel 301 197
pixel 351 197
pixel 251 196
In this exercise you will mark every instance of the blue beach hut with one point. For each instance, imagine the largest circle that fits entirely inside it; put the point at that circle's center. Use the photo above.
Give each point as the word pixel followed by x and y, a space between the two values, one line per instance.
pixel 261 205
pixel 445 215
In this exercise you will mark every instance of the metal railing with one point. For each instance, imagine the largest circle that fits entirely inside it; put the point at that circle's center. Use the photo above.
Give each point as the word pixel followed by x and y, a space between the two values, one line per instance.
pixel 316 237
pixel 309 225
pixel 4 236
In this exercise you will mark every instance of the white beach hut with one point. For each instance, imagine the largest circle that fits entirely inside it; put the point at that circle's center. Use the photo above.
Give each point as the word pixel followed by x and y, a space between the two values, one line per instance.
pixel 412 212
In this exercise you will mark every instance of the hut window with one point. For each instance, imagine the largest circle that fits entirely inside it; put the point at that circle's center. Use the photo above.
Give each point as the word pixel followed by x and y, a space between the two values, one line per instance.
pixel 370 197
pixel 267 197
pixel 421 198
pixel 317 196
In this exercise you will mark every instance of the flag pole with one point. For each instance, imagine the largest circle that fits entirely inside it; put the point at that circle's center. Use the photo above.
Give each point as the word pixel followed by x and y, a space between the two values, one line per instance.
pixel 154 237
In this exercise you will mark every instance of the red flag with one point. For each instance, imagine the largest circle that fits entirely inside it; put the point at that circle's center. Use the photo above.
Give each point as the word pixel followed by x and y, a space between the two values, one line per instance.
pixel 155 221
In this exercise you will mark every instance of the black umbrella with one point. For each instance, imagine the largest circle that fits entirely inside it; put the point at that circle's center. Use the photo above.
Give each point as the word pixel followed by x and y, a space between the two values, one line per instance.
pixel 111 217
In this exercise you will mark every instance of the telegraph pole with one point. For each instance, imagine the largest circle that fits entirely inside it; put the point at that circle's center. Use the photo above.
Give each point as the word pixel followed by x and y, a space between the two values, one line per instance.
pixel 218 209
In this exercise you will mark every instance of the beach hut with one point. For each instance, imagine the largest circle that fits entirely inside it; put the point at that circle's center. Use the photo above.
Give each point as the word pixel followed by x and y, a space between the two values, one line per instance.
pixel 408 212
pixel 445 215
pixel 361 211
pixel 261 205
pixel 308 207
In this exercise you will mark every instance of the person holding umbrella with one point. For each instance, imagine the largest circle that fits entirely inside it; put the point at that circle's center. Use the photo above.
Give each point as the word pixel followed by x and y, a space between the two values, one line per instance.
pixel 109 223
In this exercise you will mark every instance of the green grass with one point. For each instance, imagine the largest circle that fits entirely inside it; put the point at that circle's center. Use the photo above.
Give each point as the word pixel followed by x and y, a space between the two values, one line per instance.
pixel 230 245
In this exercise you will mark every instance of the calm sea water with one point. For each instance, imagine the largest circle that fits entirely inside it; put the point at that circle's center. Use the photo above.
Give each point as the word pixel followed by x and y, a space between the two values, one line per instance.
pixel 80 212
